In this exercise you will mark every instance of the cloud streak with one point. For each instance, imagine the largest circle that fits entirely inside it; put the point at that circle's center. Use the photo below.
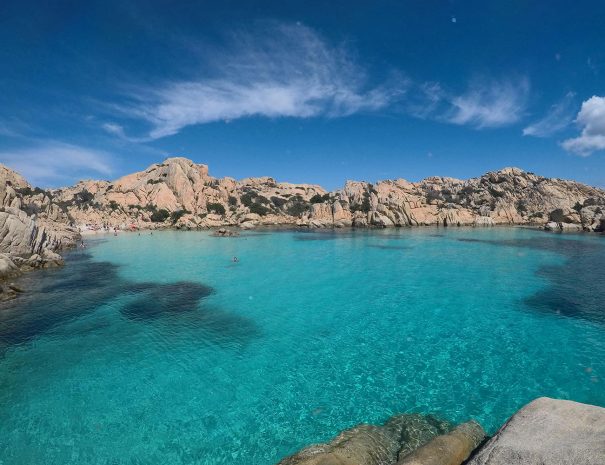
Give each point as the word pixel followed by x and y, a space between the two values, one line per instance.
pixel 49 163
pixel 489 104
pixel 287 72
pixel 558 118
pixel 591 119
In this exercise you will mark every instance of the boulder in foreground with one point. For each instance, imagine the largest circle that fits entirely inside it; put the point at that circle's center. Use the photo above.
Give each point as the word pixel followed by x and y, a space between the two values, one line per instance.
pixel 551 432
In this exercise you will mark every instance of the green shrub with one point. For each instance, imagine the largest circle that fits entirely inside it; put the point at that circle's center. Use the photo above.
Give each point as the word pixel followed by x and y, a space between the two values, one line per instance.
pixel 248 198
pixel 578 207
pixel 278 201
pixel 83 197
pixel 297 208
pixel 557 216
pixel 28 191
pixel 258 209
pixel 365 206
pixel 496 193
pixel 113 205
pixel 318 198
pixel 521 207
pixel 215 207
pixel 31 209
pixel 432 195
pixel 177 214
pixel 159 216
pixel 232 201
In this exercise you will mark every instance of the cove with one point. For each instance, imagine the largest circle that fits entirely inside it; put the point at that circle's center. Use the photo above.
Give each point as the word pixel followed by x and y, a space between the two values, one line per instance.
pixel 159 349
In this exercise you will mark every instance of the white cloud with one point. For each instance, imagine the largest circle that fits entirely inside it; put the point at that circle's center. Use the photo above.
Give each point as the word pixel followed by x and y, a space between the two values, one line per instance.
pixel 49 163
pixel 115 129
pixel 558 118
pixel 488 104
pixel 288 71
pixel 591 119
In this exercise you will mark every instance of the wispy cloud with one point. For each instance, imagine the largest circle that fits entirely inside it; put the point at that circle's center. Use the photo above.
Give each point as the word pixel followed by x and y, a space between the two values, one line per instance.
pixel 489 103
pixel 486 103
pixel 559 116
pixel 591 119
pixel 114 129
pixel 50 163
pixel 288 71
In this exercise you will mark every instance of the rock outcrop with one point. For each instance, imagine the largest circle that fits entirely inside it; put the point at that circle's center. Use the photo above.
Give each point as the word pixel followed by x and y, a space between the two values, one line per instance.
pixel 32 228
pixel 182 194
pixel 548 431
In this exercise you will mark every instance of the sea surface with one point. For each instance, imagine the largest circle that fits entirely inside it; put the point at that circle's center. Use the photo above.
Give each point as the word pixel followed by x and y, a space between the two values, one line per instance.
pixel 159 349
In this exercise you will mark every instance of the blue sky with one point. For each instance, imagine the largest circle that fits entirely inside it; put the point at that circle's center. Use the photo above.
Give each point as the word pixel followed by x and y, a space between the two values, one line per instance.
pixel 317 92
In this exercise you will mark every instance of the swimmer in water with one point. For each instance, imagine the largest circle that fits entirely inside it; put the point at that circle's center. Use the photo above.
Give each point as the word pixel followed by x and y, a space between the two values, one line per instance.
pixel 235 259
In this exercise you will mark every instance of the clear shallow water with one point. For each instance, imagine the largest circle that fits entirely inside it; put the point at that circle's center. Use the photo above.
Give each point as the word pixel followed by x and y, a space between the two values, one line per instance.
pixel 160 350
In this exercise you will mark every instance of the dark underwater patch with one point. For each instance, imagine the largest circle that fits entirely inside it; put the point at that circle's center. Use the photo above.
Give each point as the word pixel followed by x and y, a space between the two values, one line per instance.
pixel 576 288
pixel 546 243
pixel 155 300
pixel 328 235
pixel 389 247
pixel 56 296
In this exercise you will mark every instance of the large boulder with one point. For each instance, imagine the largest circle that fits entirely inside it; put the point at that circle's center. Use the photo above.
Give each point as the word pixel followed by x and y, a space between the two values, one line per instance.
pixel 548 432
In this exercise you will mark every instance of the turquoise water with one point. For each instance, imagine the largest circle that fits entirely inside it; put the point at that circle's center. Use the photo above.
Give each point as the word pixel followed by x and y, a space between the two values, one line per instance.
pixel 158 349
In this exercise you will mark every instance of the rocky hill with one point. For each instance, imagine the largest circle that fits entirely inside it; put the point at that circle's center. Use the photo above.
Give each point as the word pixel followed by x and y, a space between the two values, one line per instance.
pixel 35 223
pixel 181 193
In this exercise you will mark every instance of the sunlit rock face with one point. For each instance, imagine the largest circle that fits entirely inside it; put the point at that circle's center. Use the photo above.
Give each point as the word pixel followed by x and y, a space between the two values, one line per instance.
pixel 548 431
pixel 186 195
pixel 31 222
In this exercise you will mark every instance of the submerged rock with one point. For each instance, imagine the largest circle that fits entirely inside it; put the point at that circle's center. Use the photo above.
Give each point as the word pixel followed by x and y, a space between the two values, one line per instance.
pixel 224 232
pixel 372 445
pixel 548 431
pixel 452 448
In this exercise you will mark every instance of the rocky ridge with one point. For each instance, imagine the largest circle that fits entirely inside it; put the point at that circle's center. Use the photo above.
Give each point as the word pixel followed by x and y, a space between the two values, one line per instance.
pixel 182 194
